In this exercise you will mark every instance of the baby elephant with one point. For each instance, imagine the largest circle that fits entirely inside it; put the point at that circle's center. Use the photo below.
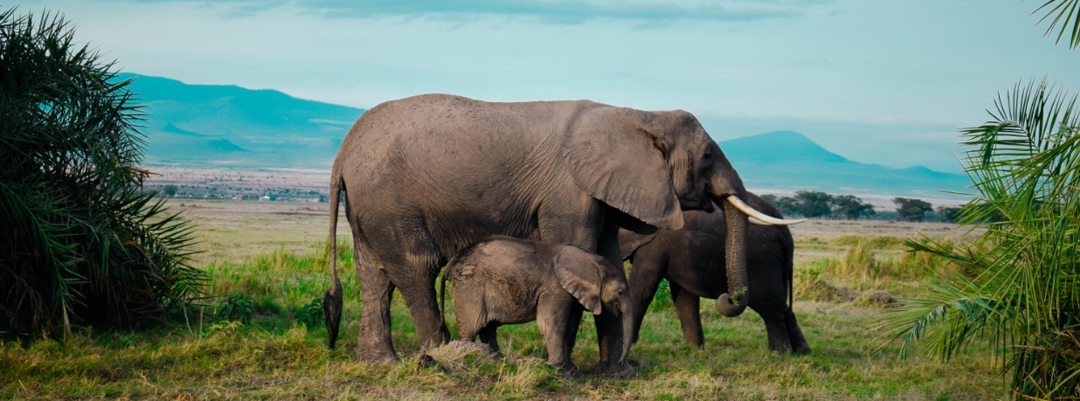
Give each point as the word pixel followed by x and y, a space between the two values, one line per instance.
pixel 504 280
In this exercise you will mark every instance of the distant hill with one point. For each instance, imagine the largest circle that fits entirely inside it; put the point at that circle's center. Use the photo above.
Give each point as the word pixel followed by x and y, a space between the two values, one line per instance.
pixel 217 125
pixel 789 160
pixel 229 126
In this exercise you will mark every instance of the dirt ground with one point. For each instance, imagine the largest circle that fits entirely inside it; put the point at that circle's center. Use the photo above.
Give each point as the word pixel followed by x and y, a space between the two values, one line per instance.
pixel 238 230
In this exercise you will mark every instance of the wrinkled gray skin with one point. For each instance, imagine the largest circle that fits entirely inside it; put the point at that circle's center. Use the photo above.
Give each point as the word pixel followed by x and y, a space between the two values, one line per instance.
pixel 505 280
pixel 428 175
pixel 692 260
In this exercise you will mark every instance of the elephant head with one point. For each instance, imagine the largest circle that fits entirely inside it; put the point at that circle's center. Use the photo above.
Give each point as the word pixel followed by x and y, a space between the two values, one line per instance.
pixel 598 284
pixel 651 165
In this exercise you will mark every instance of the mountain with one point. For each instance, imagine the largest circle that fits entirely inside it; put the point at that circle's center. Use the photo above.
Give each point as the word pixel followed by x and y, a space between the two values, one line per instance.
pixel 219 125
pixel 789 160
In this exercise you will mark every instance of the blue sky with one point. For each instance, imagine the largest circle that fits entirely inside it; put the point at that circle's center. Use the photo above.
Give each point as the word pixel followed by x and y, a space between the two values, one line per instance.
pixel 877 81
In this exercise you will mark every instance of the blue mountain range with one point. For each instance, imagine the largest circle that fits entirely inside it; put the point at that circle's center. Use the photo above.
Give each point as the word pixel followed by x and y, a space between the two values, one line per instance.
pixel 230 126
pixel 214 125
pixel 789 160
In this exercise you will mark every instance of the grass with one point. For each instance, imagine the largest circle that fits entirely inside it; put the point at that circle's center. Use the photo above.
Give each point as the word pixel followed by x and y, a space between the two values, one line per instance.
pixel 274 356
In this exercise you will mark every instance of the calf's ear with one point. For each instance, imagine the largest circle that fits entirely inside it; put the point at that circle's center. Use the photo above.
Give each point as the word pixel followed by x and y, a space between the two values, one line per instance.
pixel 576 274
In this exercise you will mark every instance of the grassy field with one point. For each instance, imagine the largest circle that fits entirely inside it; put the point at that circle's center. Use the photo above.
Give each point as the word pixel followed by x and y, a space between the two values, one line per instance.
pixel 267 263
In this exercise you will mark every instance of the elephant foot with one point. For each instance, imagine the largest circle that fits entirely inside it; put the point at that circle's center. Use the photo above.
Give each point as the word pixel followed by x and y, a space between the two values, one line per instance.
pixel 568 368
pixel 802 349
pixel 612 369
pixel 380 358
pixel 375 353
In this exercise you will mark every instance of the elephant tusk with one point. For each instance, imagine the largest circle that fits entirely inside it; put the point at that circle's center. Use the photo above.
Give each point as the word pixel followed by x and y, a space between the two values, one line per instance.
pixel 754 214
pixel 756 222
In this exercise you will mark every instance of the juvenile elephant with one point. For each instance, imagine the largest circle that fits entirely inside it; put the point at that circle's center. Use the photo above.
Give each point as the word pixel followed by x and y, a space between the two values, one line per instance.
pixel 423 177
pixel 504 280
pixel 692 260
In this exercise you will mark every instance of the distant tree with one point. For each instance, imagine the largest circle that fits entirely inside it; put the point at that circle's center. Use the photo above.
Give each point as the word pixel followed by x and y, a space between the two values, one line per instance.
pixel 911 209
pixel 772 199
pixel 787 206
pixel 851 207
pixel 948 214
pixel 813 203
pixel 169 190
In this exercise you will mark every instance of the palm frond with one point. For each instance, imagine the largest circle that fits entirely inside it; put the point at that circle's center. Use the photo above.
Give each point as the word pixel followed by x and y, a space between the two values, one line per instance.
pixel 1066 14
pixel 1025 166
pixel 86 244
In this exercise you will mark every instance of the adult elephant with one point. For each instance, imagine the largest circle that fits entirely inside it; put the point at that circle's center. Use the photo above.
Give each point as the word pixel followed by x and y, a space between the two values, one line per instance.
pixel 692 261
pixel 428 175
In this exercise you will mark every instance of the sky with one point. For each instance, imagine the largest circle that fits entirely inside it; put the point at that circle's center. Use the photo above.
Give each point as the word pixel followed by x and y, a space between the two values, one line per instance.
pixel 877 81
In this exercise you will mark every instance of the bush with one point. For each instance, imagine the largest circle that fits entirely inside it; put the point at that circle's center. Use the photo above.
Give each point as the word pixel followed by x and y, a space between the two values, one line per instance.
pixel 1018 283
pixel 82 241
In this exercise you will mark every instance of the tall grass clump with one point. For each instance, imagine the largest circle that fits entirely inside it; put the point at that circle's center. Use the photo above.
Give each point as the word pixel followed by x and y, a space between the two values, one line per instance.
pixel 1022 287
pixel 81 240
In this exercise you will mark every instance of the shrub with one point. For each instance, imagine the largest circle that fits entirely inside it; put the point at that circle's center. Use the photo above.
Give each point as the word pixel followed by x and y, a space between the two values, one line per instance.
pixel 237 306
pixel 1019 282
pixel 81 240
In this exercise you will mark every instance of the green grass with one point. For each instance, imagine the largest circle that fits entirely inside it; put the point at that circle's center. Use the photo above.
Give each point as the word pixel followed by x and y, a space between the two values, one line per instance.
pixel 276 357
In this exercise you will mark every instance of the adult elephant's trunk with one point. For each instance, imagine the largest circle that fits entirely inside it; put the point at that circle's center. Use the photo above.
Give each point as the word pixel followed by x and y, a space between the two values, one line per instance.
pixel 734 302
pixel 627 326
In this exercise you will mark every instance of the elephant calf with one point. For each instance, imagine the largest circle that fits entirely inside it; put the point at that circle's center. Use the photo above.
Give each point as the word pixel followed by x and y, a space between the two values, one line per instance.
pixel 692 260
pixel 505 280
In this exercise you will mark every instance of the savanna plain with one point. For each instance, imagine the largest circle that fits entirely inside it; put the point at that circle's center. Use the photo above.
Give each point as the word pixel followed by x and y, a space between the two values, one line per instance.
pixel 257 334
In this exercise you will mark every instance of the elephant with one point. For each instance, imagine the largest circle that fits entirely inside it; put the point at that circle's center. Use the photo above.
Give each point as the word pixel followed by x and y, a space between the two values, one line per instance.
pixel 425 176
pixel 506 280
pixel 694 265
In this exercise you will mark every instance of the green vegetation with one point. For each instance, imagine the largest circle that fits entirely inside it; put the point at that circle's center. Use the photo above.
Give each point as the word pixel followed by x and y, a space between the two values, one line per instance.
pixel 912 209
pixel 81 242
pixel 820 204
pixel 280 353
pixel 1021 291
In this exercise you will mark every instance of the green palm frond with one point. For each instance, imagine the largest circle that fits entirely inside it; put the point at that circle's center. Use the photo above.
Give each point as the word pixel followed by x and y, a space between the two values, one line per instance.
pixel 1066 14
pixel 1025 288
pixel 85 243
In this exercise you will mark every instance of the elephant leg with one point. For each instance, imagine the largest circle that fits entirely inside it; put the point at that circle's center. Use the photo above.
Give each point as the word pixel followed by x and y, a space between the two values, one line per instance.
pixel 415 274
pixel 645 275
pixel 374 344
pixel 688 308
pixel 777 329
pixel 468 317
pixel 489 336
pixel 572 324
pixel 609 327
pixel 798 341
pixel 421 300
pixel 554 321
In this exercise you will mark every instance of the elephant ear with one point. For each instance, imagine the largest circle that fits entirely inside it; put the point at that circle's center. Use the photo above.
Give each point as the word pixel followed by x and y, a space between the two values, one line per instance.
pixel 616 160
pixel 578 276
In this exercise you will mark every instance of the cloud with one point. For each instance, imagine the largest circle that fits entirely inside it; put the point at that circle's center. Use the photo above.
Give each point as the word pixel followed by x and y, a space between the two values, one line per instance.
pixel 548 11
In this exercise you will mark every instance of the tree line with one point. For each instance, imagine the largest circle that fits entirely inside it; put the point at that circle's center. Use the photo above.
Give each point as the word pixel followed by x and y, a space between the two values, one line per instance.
pixel 820 204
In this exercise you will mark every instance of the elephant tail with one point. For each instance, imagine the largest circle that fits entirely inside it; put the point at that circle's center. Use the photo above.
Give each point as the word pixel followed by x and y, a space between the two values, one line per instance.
pixel 334 298
pixel 789 265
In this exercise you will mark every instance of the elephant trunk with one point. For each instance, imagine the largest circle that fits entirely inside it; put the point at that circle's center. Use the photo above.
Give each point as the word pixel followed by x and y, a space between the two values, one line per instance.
pixel 734 302
pixel 627 326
